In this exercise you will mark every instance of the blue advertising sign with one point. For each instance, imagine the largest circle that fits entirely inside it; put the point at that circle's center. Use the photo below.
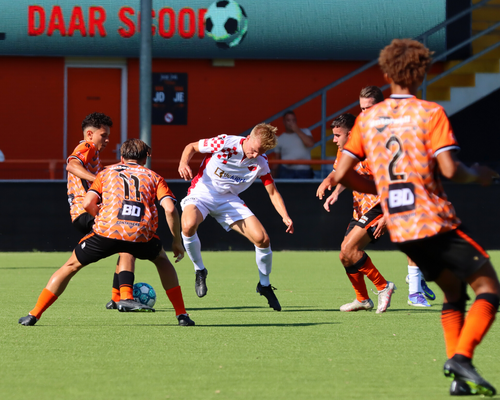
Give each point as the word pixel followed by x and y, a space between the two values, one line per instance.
pixel 251 29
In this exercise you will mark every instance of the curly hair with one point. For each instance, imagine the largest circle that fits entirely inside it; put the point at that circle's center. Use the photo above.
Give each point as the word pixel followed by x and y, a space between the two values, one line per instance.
pixel 405 61
pixel 267 135
pixel 344 121
pixel 134 149
pixel 97 121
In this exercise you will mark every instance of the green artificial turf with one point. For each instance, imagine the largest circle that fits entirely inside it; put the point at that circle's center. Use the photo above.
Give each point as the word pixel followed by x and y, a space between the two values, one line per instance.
pixel 239 348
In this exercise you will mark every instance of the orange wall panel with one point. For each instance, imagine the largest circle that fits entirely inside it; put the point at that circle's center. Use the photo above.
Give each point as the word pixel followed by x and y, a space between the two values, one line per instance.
pixel 31 115
pixel 232 99
pixel 31 106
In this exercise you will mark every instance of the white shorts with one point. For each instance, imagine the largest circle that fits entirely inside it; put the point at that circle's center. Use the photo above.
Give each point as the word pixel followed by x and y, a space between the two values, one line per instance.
pixel 225 208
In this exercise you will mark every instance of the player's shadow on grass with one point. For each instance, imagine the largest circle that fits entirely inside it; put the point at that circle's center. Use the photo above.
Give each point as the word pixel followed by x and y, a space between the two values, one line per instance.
pixel 299 324
pixel 53 267
pixel 437 308
pixel 212 308
pixel 251 308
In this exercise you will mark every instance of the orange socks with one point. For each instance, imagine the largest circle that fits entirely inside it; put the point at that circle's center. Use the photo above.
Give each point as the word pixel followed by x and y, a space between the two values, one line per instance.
pixel 452 321
pixel 372 273
pixel 115 295
pixel 175 297
pixel 126 279
pixel 358 283
pixel 479 319
pixel 45 300
pixel 115 292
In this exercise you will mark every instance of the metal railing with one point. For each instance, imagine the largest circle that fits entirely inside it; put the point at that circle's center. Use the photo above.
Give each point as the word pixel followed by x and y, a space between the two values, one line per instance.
pixel 424 38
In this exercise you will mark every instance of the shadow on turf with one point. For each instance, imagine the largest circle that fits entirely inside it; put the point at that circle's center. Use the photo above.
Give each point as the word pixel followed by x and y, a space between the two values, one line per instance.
pixel 301 324
pixel 53 267
pixel 251 308
pixel 435 309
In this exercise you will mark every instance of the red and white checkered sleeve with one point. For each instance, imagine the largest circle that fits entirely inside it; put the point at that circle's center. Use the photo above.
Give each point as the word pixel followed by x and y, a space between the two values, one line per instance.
pixel 212 145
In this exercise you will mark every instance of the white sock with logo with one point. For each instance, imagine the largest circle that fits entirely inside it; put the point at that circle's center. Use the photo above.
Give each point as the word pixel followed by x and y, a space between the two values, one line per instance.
pixel 193 249
pixel 264 258
pixel 415 278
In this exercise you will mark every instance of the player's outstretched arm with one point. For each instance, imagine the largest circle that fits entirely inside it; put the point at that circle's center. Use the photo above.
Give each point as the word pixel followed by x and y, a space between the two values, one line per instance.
pixel 76 168
pixel 453 169
pixel 184 169
pixel 347 176
pixel 327 184
pixel 332 199
pixel 174 224
pixel 279 205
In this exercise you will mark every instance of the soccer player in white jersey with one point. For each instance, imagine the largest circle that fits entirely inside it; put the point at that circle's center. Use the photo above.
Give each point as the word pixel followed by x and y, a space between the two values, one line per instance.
pixel 233 163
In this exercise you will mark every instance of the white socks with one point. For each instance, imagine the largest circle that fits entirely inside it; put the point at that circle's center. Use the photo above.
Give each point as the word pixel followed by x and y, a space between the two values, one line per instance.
pixel 193 249
pixel 415 277
pixel 264 258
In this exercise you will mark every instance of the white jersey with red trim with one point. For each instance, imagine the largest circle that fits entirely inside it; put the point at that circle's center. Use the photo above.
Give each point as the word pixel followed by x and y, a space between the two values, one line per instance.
pixel 226 169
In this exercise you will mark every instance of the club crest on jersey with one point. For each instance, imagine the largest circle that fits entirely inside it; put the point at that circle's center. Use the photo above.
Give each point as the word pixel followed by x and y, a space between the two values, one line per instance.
pixel 224 175
pixel 227 153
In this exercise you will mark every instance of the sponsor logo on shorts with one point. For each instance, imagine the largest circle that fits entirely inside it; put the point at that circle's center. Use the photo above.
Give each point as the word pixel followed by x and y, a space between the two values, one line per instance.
pixel 363 219
pixel 224 175
pixel 83 245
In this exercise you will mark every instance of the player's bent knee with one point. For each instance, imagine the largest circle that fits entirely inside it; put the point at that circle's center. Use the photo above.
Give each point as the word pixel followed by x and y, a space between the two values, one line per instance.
pixel 189 227
pixel 263 242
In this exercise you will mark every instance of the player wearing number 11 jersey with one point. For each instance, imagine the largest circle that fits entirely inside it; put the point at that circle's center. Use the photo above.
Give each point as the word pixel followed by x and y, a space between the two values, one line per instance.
pixel 122 198
pixel 407 143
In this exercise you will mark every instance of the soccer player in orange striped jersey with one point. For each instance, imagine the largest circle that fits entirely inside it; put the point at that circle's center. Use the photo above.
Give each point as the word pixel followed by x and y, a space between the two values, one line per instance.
pixel 407 142
pixel 419 291
pixel 367 225
pixel 83 164
pixel 122 198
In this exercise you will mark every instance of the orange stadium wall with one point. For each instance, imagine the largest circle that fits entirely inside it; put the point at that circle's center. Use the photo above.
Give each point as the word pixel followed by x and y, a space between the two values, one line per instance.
pixel 220 100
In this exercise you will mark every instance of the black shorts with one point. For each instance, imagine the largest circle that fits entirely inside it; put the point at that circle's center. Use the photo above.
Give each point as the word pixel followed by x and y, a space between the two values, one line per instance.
pixel 366 221
pixel 452 250
pixel 93 248
pixel 84 223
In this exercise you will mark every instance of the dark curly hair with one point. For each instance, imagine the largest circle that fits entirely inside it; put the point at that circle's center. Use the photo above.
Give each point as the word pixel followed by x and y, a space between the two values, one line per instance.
pixel 96 120
pixel 344 121
pixel 405 61
pixel 134 149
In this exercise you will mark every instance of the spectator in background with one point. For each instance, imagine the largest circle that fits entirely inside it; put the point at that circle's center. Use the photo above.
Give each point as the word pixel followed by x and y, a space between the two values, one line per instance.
pixel 294 144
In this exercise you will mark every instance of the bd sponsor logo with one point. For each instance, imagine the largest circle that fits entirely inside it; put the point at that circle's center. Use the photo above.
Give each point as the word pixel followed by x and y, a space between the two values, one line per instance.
pixel 401 197
pixel 131 211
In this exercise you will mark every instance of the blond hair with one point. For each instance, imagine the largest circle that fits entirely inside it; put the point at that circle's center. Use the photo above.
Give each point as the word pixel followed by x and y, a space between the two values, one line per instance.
pixel 267 135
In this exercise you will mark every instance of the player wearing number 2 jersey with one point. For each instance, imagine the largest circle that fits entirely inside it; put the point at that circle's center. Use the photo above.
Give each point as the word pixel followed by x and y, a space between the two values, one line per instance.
pixel 232 164
pixel 407 142
pixel 123 198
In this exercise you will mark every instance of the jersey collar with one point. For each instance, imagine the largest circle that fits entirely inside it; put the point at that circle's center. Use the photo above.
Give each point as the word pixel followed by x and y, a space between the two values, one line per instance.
pixel 402 96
